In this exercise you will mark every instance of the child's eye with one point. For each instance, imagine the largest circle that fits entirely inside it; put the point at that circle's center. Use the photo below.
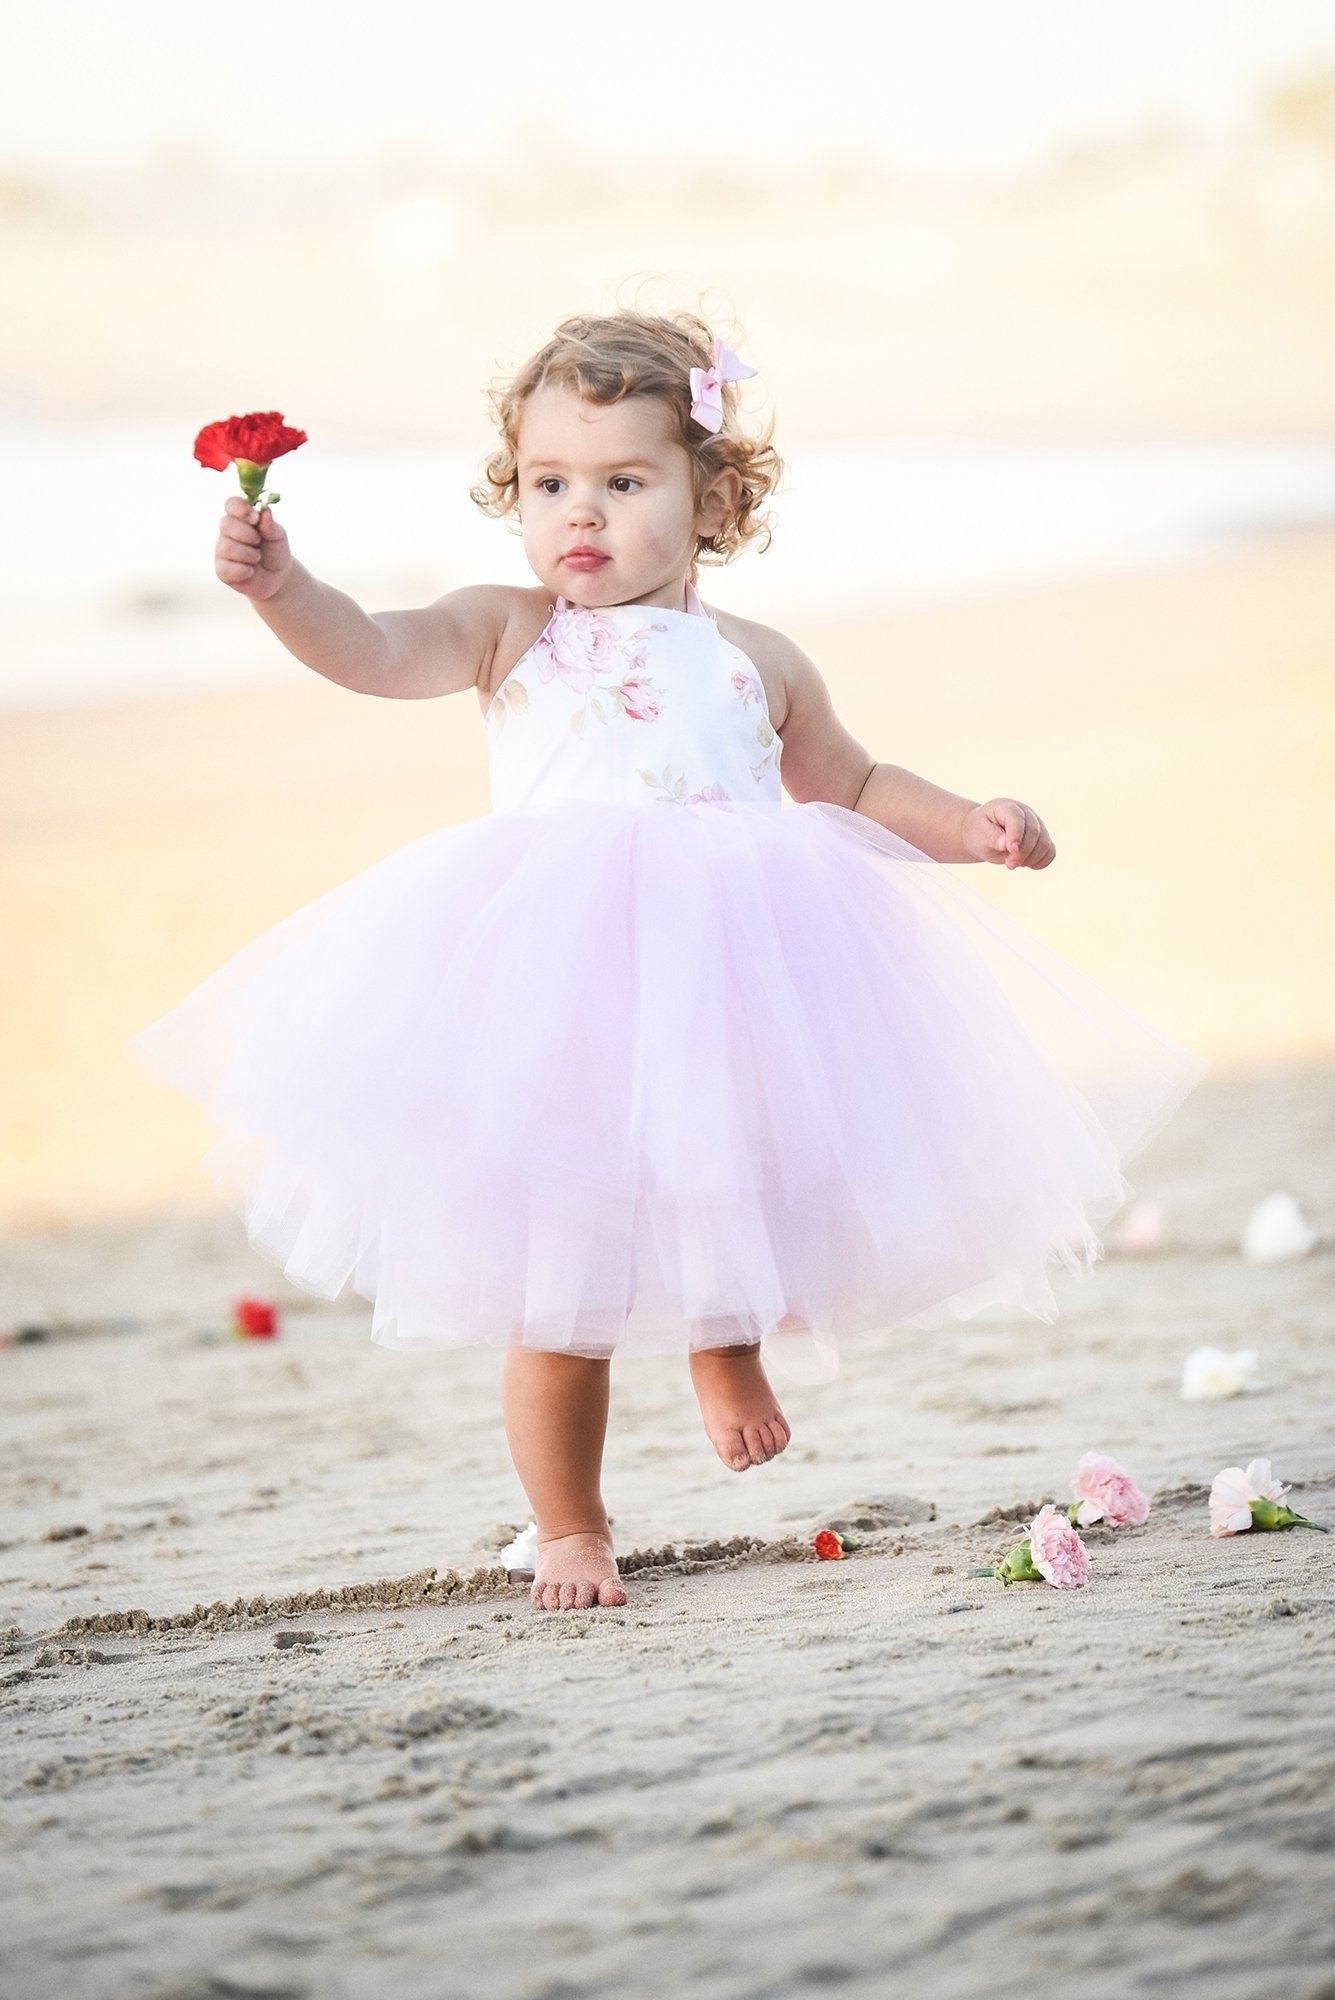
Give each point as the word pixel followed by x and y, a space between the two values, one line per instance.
pixel 620 479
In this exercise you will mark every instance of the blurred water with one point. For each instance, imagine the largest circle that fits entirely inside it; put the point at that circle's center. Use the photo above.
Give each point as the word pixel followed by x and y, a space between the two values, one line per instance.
pixel 108 530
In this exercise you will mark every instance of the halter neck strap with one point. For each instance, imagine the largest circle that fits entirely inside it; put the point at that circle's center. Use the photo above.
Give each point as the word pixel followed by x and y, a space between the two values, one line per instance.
pixel 693 607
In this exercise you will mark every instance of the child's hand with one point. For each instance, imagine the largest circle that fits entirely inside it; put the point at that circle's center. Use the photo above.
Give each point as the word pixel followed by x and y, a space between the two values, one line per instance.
pixel 253 554
pixel 1005 830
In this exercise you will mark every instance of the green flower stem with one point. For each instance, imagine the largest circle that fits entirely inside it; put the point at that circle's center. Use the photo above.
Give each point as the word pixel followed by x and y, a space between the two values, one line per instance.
pixel 1018 1567
pixel 1274 1514
pixel 252 479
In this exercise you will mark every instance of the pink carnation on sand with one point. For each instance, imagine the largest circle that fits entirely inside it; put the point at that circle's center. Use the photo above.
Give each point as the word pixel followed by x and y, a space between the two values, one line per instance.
pixel 1056 1550
pixel 1106 1492
pixel 1051 1552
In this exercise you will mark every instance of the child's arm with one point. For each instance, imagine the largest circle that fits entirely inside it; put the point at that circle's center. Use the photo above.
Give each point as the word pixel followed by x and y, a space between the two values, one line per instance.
pixel 403 655
pixel 821 760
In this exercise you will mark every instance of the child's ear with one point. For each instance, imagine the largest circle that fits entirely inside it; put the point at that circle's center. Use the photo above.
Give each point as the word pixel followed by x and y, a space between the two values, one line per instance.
pixel 720 503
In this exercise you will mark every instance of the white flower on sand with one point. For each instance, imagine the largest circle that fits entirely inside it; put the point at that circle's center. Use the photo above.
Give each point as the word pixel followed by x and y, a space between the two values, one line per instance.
pixel 1247 1497
pixel 522 1552
pixel 1232 1494
pixel 1277 1230
pixel 1208 1373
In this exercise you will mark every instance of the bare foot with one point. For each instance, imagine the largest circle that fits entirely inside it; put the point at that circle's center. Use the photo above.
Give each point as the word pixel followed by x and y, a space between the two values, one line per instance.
pixel 575 1572
pixel 742 1416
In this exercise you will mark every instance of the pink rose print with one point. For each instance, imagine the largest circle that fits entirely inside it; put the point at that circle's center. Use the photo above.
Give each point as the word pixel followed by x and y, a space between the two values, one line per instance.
pixel 639 701
pixel 590 655
pixel 579 647
pixel 670 786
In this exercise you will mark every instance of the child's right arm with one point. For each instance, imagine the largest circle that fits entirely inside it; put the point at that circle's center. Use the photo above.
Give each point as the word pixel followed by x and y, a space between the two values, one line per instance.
pixel 403 655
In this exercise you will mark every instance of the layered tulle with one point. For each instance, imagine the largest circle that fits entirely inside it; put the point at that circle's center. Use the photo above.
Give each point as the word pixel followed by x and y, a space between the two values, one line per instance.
pixel 597 1077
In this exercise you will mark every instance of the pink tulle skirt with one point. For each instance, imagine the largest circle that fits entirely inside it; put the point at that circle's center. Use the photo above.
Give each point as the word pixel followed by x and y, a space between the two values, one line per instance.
pixel 597 1077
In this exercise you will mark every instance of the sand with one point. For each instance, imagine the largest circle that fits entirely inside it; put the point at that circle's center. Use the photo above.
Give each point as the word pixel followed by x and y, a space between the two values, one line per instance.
pixel 275 1725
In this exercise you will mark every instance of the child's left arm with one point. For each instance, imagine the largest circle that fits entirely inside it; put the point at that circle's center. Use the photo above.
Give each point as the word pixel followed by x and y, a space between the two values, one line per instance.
pixel 821 760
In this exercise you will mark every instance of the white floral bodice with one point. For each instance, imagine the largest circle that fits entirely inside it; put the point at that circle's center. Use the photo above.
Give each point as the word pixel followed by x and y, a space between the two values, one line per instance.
pixel 635 704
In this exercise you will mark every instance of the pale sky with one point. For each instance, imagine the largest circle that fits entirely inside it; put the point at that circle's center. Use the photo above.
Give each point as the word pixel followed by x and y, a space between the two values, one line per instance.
pixel 938 84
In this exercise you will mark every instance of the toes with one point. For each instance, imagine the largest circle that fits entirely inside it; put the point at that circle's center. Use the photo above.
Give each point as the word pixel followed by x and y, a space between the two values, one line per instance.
pixel 756 1444
pixel 577 1596
pixel 731 1448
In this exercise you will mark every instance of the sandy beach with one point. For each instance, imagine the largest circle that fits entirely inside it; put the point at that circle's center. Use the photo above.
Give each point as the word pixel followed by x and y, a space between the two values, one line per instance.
pixel 275 1724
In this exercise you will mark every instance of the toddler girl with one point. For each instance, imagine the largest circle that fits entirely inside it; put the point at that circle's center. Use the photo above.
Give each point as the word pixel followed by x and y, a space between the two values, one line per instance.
pixel 644 1060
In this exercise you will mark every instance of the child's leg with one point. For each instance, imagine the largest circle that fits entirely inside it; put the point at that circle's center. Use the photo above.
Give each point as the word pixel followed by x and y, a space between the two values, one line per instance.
pixel 742 1416
pixel 555 1421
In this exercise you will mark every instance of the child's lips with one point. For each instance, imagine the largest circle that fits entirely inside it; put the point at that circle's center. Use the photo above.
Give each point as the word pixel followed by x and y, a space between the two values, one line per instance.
pixel 586 559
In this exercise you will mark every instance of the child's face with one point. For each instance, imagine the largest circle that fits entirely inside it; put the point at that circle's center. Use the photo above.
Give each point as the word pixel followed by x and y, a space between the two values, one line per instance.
pixel 610 477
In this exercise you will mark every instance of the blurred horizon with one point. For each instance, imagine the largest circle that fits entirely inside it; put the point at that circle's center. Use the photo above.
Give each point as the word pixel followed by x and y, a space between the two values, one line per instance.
pixel 958 90
pixel 1110 221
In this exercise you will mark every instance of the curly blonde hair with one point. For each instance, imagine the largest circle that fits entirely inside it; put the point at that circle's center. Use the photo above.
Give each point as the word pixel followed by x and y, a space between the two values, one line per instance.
pixel 606 356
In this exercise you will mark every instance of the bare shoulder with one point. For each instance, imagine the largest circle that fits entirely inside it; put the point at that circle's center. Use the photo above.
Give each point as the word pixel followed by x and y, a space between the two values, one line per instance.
pixel 528 610
pixel 821 758
pixel 458 641
pixel 782 665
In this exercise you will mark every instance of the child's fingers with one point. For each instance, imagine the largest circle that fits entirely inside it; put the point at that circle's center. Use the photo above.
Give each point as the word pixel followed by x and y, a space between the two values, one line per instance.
pixel 233 529
pixel 231 548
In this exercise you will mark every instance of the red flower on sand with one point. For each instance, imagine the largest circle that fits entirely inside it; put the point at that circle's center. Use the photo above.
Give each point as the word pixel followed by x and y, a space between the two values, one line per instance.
pixel 254 1319
pixel 250 443
pixel 831 1546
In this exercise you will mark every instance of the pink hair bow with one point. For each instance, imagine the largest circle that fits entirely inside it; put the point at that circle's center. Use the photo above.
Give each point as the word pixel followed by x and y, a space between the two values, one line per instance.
pixel 707 386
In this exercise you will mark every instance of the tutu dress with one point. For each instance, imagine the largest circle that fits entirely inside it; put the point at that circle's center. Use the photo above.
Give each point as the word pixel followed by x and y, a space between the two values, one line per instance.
pixel 648 1059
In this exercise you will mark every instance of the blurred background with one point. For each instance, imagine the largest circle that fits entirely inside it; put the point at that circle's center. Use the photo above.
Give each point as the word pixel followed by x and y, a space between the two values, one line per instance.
pixel 1043 302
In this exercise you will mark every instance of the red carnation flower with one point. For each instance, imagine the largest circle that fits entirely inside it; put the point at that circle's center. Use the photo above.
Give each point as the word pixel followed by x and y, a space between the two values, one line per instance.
pixel 250 443
pixel 829 1546
pixel 254 1319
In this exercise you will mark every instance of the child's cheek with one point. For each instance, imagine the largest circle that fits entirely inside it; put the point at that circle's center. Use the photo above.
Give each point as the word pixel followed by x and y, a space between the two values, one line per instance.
pixel 661 539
